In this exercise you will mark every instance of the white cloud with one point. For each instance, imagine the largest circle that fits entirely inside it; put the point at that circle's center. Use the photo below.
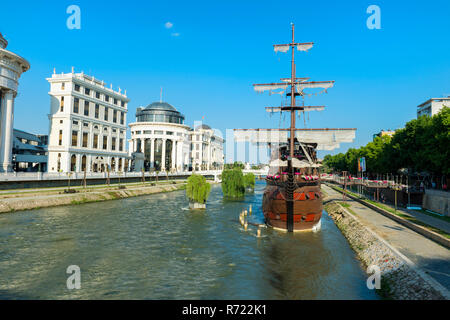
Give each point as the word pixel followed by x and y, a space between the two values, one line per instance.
pixel 168 25
pixel 175 34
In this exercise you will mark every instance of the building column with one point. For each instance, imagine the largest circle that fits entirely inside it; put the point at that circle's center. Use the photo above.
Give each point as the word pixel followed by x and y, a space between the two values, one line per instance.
pixel 143 147
pixel 173 160
pixel 6 127
pixel 208 157
pixel 180 155
pixel 163 155
pixel 152 153
pixel 88 163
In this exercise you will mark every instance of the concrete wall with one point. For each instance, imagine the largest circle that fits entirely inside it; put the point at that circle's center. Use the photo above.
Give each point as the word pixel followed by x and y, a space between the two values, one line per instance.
pixel 437 201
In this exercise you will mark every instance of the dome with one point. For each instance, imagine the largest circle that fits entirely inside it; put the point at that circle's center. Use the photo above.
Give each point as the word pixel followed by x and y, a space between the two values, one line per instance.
pixel 203 126
pixel 159 112
pixel 160 106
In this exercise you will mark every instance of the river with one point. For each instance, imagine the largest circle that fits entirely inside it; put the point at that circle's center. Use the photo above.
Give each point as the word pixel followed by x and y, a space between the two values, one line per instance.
pixel 153 247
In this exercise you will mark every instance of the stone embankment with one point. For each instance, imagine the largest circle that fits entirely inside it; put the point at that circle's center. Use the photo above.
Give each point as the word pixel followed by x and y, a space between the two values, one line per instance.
pixel 400 279
pixel 37 200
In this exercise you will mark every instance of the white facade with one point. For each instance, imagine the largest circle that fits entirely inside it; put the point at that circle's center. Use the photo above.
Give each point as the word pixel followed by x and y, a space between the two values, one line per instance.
pixel 169 145
pixel 206 149
pixel 159 141
pixel 432 106
pixel 87 125
pixel 11 68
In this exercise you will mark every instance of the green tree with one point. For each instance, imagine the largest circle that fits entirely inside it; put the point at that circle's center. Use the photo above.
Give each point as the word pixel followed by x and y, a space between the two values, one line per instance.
pixel 197 189
pixel 233 185
pixel 422 145
pixel 249 180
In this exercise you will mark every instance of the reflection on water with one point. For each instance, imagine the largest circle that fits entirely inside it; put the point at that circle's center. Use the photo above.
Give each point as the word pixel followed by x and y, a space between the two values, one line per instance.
pixel 152 247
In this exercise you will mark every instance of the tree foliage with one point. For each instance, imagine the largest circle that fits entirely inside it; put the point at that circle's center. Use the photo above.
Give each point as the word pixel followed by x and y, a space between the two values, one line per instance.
pixel 249 180
pixel 197 189
pixel 233 183
pixel 423 145
pixel 235 165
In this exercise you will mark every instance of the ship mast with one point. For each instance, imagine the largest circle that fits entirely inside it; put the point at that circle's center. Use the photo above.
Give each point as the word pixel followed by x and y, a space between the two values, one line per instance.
pixel 292 95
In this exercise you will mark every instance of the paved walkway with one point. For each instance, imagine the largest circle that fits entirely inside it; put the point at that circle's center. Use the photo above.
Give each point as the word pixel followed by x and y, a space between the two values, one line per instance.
pixel 429 256
pixel 430 220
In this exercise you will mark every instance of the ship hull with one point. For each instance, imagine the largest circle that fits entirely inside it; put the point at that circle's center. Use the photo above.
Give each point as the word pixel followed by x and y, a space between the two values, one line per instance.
pixel 307 208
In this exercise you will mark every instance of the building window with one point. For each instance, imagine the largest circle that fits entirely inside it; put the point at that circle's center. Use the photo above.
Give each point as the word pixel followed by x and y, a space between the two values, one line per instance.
pixel 74 138
pixel 122 117
pixel 60 137
pixel 76 105
pixel 58 168
pixel 115 101
pixel 77 88
pixel 73 163
pixel 63 86
pixel 75 123
pixel 86 108
pixel 146 132
pixel 85 139
pixel 113 144
pixel 61 104
pixel 114 116
pixel 97 111
pixel 106 113
pixel 105 142
pixel 86 124
pixel 95 144
pixel 83 163
pixel 122 103
pixel 106 98
pixel 97 95
pixel 120 144
pixel 87 91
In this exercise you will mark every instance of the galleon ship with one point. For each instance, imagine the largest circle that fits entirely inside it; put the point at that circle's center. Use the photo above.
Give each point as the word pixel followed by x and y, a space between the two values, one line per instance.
pixel 292 198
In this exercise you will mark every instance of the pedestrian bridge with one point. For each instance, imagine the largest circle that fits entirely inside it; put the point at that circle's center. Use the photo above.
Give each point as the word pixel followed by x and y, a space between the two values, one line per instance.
pixel 22 180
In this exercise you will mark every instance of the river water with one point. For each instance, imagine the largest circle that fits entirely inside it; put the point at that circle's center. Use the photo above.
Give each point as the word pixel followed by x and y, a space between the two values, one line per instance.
pixel 153 247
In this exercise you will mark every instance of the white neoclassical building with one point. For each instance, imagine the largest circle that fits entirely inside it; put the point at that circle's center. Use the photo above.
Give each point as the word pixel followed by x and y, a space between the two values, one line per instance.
pixel 11 68
pixel 87 125
pixel 206 148
pixel 167 144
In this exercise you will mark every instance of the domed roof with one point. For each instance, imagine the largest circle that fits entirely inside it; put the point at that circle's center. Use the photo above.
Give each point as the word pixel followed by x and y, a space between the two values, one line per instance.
pixel 203 126
pixel 160 106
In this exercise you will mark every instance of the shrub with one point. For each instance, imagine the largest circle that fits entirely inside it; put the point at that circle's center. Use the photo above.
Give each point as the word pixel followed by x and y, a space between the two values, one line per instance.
pixel 233 183
pixel 197 189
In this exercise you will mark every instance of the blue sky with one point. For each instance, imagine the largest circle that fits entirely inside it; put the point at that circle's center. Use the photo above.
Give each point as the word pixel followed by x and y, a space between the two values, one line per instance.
pixel 223 47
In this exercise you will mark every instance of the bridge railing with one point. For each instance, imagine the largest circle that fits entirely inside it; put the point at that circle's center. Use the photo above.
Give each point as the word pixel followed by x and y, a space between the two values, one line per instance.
pixel 42 176
pixel 364 182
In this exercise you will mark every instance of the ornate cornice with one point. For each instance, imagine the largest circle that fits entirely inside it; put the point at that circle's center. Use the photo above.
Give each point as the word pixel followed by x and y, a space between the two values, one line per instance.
pixel 3 42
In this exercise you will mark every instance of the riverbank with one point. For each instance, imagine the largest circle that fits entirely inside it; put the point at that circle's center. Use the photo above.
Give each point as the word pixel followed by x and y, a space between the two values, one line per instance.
pixel 401 279
pixel 19 201
pixel 430 227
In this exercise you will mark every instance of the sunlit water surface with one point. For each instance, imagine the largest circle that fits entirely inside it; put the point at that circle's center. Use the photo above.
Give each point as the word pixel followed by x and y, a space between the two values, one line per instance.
pixel 153 247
